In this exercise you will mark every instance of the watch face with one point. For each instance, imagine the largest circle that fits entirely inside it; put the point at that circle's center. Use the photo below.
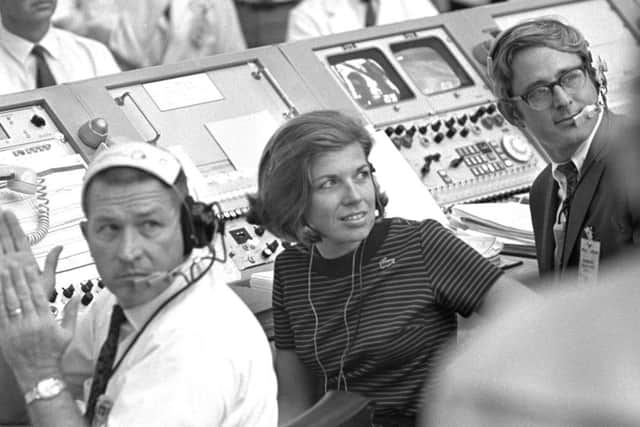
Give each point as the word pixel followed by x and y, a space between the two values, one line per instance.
pixel 49 387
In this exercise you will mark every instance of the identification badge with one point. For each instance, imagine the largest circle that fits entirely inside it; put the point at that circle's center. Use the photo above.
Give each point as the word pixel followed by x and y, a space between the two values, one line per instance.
pixel 589 258
pixel 103 408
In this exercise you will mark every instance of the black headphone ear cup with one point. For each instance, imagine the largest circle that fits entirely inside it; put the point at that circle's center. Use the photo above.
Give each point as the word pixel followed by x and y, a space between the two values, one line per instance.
pixel 381 198
pixel 195 221
pixel 510 112
pixel 188 235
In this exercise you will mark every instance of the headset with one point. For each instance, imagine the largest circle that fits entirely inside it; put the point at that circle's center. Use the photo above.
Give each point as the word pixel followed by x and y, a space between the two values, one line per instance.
pixel 199 222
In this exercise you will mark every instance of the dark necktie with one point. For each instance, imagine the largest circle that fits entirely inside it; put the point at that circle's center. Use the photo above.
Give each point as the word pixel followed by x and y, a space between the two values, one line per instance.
pixel 570 173
pixel 105 361
pixel 370 14
pixel 44 77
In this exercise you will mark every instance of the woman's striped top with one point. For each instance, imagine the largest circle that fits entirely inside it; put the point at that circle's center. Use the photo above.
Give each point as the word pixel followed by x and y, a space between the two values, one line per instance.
pixel 408 283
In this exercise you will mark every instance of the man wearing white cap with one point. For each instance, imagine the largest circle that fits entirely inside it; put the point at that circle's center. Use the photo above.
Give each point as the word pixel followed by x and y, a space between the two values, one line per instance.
pixel 157 344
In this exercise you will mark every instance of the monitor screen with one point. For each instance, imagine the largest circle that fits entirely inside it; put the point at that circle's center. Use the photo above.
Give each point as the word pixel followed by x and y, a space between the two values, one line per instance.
pixel 430 65
pixel 369 78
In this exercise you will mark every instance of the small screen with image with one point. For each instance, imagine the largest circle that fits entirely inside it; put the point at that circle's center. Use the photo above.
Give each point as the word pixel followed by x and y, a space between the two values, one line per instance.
pixel 430 65
pixel 369 78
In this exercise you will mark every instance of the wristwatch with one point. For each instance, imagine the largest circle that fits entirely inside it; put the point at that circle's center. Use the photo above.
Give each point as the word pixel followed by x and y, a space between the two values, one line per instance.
pixel 47 388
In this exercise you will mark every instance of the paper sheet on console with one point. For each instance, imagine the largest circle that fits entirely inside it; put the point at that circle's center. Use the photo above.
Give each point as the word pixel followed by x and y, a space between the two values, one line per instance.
pixel 408 196
pixel 243 138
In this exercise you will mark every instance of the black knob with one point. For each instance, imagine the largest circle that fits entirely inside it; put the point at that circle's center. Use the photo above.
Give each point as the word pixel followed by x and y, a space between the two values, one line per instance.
pixel 498 120
pixel 87 298
pixel 38 121
pixel 451 132
pixel 259 230
pixel 100 284
pixel 482 110
pixel 426 168
pixel 462 119
pixel 411 131
pixel 53 296
pixel 87 286
pixel 389 130
pixel 68 292
pixel 491 108
pixel 450 122
pixel 273 245
pixel 435 126
pixel 487 122
pixel 422 130
pixel 474 117
pixel 438 137
pixel 436 157
pixel 399 129
pixel 464 132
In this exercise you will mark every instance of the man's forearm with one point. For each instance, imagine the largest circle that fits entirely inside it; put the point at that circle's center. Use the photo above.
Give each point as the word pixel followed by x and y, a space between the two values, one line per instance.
pixel 60 411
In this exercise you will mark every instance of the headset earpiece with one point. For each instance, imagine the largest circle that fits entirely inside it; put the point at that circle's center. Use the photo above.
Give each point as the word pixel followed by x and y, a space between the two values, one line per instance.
pixel 199 223
pixel 381 198
pixel 510 112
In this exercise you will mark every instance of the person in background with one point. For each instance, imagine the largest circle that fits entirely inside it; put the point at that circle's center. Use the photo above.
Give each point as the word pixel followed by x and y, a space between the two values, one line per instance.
pixel 361 303
pixel 314 18
pixel 33 54
pixel 153 32
pixel 548 83
pixel 167 342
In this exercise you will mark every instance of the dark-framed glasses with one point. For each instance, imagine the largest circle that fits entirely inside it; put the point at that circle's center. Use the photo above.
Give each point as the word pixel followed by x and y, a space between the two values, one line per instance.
pixel 541 97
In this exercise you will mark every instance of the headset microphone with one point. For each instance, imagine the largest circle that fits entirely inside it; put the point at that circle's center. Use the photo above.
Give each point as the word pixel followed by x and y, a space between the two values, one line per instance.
pixel 157 278
pixel 586 114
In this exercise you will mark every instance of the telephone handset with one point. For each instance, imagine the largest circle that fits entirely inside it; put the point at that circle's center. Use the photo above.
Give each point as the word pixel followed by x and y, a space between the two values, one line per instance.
pixel 22 180
pixel 26 181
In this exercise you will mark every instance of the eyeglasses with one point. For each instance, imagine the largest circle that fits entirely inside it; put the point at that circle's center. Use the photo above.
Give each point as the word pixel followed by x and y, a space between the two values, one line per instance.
pixel 541 97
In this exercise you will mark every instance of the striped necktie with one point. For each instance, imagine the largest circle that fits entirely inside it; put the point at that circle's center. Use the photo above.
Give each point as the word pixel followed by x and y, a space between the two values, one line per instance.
pixel 570 173
pixel 44 76
pixel 104 365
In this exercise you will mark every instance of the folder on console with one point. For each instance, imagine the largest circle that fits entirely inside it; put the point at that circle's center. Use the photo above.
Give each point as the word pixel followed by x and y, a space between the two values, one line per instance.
pixel 509 221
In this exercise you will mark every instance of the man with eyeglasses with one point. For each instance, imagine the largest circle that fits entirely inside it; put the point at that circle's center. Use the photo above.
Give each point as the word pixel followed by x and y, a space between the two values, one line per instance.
pixel 548 83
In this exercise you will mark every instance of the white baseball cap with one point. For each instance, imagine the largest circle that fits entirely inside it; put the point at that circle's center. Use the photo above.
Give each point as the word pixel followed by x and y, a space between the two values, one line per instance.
pixel 138 155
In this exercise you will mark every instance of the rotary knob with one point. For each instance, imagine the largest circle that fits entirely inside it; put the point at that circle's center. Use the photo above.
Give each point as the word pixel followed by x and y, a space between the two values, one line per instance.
pixel 517 148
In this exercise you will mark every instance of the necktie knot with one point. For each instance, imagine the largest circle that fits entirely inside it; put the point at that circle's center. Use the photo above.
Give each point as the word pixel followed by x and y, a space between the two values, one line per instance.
pixel 38 51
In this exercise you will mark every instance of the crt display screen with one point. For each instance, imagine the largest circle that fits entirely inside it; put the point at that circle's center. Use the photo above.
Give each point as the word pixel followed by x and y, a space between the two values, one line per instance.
pixel 430 65
pixel 369 78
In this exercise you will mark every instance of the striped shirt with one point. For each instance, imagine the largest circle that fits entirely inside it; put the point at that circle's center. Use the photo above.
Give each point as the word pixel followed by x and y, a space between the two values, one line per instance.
pixel 407 282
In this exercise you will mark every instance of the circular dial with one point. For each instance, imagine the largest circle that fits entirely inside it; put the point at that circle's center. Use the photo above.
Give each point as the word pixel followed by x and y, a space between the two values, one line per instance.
pixel 517 148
